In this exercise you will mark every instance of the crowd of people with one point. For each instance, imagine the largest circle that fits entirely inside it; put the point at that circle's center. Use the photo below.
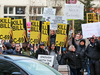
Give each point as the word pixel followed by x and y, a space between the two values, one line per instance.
pixel 80 54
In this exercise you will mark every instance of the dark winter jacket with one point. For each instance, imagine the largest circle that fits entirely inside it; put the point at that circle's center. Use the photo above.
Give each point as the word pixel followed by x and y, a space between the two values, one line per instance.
pixel 93 50
pixel 52 38
pixel 10 51
pixel 80 49
pixel 17 52
pixel 74 60
pixel 40 51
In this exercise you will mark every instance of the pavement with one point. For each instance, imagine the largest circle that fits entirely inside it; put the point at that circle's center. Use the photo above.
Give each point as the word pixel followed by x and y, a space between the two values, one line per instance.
pixel 64 69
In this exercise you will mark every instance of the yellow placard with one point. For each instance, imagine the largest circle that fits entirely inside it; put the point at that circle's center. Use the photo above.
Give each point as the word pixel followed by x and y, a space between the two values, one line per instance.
pixel 92 17
pixel 35 34
pixel 45 33
pixel 61 35
pixel 18 32
pixel 5 28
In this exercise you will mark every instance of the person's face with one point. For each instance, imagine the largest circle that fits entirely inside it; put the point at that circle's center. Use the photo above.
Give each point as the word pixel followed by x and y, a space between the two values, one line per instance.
pixel 12 44
pixel 82 43
pixel 92 40
pixel 42 47
pixel 53 47
pixel 17 47
pixel 77 37
pixel 73 49
pixel 52 32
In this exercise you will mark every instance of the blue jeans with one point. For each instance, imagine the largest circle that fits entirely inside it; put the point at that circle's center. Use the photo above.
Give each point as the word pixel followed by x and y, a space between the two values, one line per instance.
pixel 88 68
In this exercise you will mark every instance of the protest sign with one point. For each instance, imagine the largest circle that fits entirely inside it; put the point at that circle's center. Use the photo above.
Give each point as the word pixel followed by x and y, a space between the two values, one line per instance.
pixel 48 12
pixel 28 27
pixel 5 28
pixel 74 11
pixel 92 17
pixel 35 32
pixel 91 29
pixel 55 20
pixel 18 32
pixel 45 30
pixel 61 35
pixel 47 59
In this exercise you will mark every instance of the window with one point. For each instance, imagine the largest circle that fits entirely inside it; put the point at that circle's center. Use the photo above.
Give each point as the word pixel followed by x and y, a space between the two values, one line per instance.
pixel 20 10
pixel 35 10
pixel 6 68
pixel 39 10
pixel 5 10
pixel 10 10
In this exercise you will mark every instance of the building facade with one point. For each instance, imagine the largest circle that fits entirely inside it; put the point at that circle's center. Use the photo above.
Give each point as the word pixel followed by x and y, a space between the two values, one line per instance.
pixel 29 9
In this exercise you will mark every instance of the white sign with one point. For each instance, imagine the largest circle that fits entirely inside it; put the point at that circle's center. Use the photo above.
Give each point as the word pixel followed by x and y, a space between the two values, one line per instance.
pixel 74 11
pixel 47 59
pixel 48 12
pixel 91 29
pixel 54 20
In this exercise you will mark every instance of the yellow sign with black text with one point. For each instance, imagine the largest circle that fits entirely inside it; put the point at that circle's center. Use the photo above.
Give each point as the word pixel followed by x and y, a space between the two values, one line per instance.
pixel 61 35
pixel 92 17
pixel 45 33
pixel 5 28
pixel 18 32
pixel 35 32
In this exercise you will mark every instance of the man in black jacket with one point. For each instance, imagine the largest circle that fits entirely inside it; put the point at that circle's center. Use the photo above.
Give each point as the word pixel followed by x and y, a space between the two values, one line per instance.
pixel 74 60
pixel 17 50
pixel 40 50
pixel 93 53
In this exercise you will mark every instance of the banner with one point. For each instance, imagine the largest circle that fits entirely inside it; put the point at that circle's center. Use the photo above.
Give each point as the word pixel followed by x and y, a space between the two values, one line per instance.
pixel 45 30
pixel 18 32
pixel 61 35
pixel 5 28
pixel 55 20
pixel 48 12
pixel 92 17
pixel 47 59
pixel 28 28
pixel 35 32
pixel 74 11
pixel 91 29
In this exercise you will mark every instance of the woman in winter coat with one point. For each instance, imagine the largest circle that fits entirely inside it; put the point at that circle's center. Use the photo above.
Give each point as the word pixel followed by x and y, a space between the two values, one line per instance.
pixel 74 60
pixel 53 51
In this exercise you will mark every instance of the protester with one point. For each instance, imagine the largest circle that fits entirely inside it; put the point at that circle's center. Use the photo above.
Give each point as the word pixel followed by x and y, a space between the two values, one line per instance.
pixel 17 50
pixel 57 55
pixel 52 36
pixel 8 49
pixel 81 50
pixel 40 50
pixel 93 53
pixel 77 38
pixel 26 49
pixel 74 60
pixel 12 44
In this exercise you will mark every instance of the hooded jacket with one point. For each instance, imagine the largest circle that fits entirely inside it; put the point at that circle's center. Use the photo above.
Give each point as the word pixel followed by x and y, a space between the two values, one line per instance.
pixel 52 38
pixel 9 51
pixel 40 51
pixel 80 48
pixel 93 50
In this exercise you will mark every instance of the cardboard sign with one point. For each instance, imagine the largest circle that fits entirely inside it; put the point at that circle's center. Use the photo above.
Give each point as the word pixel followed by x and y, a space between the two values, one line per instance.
pixel 48 12
pixel 45 30
pixel 74 11
pixel 55 20
pixel 61 35
pixel 18 32
pixel 92 17
pixel 47 59
pixel 91 29
pixel 35 32
pixel 5 28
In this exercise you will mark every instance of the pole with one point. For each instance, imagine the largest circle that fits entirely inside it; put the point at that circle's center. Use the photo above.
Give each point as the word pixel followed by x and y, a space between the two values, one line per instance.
pixel 73 26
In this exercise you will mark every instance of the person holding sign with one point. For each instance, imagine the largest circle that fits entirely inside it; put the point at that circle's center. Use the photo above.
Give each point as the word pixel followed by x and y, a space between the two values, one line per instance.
pixel 52 36
pixel 93 53
pixel 57 56
pixel 40 50
pixel 74 60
